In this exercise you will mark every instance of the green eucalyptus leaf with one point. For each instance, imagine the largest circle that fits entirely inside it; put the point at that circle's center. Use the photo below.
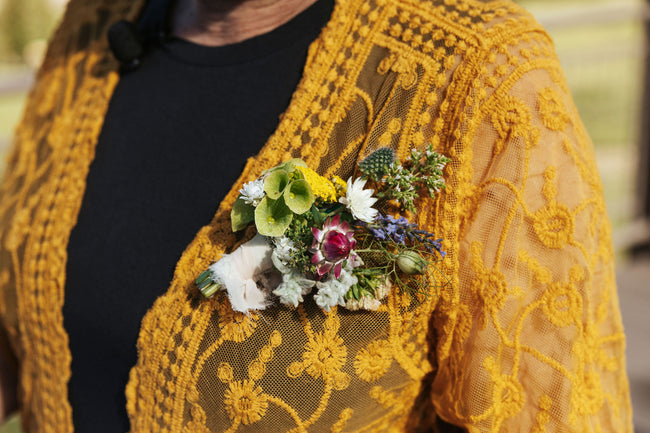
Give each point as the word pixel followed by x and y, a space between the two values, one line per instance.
pixel 275 183
pixel 272 217
pixel 299 197
pixel 241 215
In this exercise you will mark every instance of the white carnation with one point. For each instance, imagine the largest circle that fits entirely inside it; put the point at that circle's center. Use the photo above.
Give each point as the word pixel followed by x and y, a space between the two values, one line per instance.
pixel 237 273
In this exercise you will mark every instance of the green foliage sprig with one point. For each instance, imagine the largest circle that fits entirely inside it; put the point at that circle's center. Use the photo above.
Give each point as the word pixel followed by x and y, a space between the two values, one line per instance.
pixel 302 237
pixel 420 173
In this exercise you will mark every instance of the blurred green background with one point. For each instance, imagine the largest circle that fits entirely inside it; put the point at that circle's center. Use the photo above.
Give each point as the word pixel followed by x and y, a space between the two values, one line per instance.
pixel 25 26
pixel 602 49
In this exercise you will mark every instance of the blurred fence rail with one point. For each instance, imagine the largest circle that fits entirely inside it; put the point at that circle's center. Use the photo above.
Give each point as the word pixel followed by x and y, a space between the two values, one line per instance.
pixel 592 14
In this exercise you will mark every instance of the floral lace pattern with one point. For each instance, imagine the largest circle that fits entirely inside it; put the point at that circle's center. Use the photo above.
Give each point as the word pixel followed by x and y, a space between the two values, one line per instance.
pixel 527 336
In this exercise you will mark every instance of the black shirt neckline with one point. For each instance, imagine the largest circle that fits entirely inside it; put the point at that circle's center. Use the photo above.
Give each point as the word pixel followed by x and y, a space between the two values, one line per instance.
pixel 306 25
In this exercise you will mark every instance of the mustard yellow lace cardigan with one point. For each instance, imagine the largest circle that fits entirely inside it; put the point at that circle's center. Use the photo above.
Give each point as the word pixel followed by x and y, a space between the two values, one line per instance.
pixel 526 338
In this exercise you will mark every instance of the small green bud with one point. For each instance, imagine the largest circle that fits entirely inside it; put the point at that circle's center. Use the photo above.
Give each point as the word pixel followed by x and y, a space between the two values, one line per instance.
pixel 411 263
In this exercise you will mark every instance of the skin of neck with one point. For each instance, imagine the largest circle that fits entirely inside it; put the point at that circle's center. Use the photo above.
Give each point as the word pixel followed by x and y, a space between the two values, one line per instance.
pixel 223 22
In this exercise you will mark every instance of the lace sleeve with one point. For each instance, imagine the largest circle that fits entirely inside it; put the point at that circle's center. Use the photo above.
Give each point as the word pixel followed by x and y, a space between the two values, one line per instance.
pixel 537 343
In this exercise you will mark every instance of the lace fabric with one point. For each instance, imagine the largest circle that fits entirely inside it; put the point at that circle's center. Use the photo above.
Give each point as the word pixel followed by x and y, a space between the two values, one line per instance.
pixel 528 335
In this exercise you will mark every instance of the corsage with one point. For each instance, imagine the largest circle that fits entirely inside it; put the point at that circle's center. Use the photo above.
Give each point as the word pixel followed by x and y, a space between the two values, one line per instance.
pixel 329 237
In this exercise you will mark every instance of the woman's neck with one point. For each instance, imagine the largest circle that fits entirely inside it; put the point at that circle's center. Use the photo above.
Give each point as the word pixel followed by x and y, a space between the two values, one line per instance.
pixel 224 22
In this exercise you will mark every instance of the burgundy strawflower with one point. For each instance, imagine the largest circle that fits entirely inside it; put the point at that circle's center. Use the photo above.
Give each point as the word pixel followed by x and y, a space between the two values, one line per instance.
pixel 333 244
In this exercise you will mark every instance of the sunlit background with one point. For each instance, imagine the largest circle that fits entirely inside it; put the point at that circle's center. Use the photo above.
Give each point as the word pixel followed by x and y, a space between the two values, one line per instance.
pixel 603 50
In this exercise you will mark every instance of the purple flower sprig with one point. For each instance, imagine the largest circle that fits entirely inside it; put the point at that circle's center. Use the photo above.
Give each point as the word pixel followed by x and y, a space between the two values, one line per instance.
pixel 389 228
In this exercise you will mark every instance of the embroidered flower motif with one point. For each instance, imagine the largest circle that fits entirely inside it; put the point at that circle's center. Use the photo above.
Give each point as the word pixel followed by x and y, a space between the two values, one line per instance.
pixel 587 395
pixel 513 119
pixel 359 201
pixel 333 244
pixel 562 304
pixel 224 372
pixel 266 353
pixel 590 349
pixel 324 356
pixel 253 192
pixel 507 394
pixel 374 361
pixel 256 369
pixel 235 326
pixel 244 402
pixel 551 107
pixel 488 285
pixel 554 225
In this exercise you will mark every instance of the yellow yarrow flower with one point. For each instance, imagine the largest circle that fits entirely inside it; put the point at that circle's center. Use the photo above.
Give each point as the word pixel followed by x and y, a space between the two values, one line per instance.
pixel 320 186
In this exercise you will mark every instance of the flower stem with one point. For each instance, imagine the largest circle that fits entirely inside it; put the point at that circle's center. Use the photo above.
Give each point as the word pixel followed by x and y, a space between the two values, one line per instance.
pixel 210 290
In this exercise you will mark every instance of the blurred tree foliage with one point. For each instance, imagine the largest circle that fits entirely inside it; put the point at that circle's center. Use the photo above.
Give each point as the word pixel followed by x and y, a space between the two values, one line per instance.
pixel 21 22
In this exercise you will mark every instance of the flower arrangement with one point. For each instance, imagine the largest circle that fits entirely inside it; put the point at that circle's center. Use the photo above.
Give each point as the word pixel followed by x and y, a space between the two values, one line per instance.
pixel 327 235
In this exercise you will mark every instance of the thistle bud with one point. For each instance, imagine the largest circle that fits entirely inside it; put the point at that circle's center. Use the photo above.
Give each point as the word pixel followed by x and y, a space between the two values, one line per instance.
pixel 411 263
pixel 377 163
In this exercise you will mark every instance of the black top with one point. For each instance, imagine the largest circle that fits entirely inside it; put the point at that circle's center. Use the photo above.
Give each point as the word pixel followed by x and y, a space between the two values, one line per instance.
pixel 176 136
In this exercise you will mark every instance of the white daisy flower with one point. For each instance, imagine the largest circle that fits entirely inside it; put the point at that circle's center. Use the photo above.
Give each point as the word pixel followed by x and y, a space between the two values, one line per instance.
pixel 359 201
pixel 253 192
